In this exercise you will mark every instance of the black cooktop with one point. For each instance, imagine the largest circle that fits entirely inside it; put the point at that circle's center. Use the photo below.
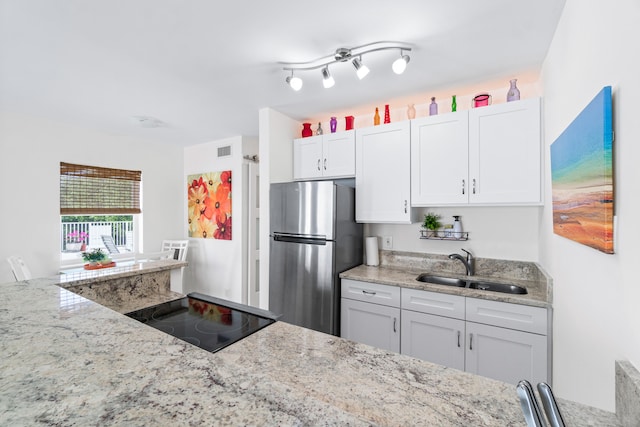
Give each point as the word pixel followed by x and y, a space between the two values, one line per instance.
pixel 207 322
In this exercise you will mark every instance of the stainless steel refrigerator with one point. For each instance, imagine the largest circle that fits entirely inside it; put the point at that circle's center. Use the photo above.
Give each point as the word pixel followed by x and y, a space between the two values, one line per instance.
pixel 314 237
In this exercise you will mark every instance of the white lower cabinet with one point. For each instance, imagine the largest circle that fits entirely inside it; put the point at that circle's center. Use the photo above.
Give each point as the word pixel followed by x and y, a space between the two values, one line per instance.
pixel 372 324
pixel 437 339
pixel 504 341
pixel 370 314
pixel 505 354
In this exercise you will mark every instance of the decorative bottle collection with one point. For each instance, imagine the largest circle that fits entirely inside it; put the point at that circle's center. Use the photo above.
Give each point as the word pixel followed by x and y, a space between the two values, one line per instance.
pixel 482 99
pixel 433 107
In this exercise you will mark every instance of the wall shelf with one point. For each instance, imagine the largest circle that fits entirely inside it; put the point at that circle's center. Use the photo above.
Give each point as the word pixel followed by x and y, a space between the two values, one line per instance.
pixel 444 235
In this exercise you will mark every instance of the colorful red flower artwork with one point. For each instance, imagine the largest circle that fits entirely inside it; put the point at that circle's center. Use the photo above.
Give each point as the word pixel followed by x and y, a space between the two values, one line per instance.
pixel 209 205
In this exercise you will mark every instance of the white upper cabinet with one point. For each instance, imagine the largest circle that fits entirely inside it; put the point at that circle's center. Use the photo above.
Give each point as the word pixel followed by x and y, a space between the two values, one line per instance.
pixel 485 156
pixel 307 157
pixel 383 173
pixel 324 156
pixel 504 153
pixel 439 159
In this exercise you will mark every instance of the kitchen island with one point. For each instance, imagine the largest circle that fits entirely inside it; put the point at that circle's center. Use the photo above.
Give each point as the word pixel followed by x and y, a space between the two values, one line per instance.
pixel 70 361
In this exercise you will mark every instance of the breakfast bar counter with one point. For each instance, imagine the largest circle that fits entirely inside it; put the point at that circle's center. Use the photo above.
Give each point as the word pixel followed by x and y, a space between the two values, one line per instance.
pixel 67 360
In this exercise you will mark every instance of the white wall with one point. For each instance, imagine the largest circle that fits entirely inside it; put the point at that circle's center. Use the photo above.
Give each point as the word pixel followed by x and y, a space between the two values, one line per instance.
pixel 276 165
pixel 596 296
pixel 215 266
pixel 494 232
pixel 31 150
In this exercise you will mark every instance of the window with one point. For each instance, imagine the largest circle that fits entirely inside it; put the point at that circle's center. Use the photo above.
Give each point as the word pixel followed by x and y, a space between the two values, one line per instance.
pixel 97 202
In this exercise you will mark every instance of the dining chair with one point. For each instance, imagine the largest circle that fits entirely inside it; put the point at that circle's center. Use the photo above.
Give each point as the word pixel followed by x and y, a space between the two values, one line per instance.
pixel 179 247
pixel 154 256
pixel 19 268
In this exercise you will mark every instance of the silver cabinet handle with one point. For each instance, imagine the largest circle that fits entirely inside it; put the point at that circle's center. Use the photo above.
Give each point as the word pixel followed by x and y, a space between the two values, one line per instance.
pixel 318 164
pixel 470 341
pixel 394 325
pixel 405 206
pixel 325 164
pixel 463 186
pixel 474 186
pixel 458 339
pixel 368 292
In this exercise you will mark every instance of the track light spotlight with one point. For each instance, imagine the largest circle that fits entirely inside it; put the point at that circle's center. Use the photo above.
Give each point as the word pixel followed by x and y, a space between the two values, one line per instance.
pixel 294 82
pixel 327 79
pixel 400 64
pixel 361 69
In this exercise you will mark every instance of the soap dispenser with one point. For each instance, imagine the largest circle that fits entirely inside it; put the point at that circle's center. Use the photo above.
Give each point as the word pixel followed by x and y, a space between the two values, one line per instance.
pixel 457 227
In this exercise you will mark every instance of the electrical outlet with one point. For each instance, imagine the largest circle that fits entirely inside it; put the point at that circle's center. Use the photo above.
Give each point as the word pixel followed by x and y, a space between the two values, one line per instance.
pixel 387 242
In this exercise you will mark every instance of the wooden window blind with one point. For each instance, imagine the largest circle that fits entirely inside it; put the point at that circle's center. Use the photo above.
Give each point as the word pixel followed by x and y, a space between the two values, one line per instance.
pixel 96 190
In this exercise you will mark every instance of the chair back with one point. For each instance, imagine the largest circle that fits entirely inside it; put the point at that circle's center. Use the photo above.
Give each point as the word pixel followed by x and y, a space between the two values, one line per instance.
pixel 179 247
pixel 19 268
pixel 110 244
pixel 154 256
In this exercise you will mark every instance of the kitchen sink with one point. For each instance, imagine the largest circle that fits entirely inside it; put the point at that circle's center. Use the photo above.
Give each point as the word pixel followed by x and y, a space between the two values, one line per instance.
pixel 440 280
pixel 498 287
pixel 482 286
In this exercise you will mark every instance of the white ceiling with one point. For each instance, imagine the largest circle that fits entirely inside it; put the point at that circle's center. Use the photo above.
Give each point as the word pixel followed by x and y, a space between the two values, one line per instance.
pixel 206 67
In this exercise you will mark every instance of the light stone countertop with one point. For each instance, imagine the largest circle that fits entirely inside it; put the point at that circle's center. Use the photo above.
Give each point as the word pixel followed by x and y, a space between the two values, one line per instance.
pixel 70 361
pixel 402 268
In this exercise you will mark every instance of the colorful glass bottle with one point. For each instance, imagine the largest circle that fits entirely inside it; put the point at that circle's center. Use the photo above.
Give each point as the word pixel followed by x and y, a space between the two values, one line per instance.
pixel 306 130
pixel 333 124
pixel 376 118
pixel 387 117
pixel 411 112
pixel 454 103
pixel 514 93
pixel 433 107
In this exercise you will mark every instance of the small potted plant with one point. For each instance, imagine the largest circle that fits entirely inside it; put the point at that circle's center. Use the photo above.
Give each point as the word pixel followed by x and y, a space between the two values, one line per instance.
pixel 95 257
pixel 432 223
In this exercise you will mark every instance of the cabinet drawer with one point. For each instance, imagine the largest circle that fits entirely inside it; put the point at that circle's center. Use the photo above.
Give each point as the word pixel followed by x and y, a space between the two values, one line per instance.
pixel 371 292
pixel 433 303
pixel 506 315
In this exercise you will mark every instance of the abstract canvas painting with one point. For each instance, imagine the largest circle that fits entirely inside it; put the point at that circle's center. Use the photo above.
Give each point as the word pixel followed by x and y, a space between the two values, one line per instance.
pixel 582 176
pixel 209 205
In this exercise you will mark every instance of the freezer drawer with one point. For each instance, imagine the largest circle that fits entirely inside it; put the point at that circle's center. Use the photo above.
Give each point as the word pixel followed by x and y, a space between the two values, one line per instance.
pixel 301 284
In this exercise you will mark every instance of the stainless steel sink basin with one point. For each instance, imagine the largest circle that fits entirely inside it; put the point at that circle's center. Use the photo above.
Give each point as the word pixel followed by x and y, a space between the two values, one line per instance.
pixel 440 280
pixel 483 286
pixel 498 287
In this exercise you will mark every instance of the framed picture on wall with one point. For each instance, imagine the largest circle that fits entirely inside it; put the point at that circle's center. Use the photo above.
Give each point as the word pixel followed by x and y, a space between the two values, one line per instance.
pixel 209 205
pixel 582 176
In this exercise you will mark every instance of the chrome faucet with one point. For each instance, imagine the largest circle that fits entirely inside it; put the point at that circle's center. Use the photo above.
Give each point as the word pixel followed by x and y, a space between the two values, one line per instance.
pixel 469 262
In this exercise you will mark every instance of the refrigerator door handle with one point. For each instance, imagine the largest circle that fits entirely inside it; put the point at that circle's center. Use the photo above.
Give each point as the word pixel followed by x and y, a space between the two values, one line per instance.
pixel 295 238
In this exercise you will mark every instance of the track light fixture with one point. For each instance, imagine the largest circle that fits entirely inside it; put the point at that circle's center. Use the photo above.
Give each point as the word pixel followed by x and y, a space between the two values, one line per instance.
pixel 400 64
pixel 354 55
pixel 294 82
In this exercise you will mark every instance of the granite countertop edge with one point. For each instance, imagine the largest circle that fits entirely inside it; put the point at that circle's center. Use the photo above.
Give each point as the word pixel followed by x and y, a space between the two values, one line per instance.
pixel 537 296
